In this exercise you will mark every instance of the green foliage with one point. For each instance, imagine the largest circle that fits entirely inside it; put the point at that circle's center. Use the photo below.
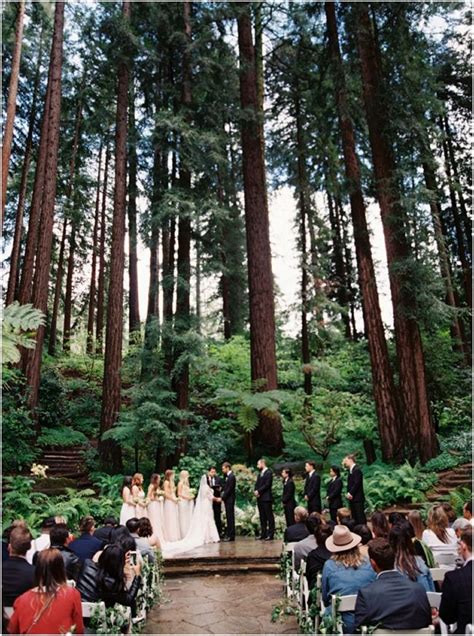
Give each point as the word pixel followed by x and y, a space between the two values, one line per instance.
pixel 458 498
pixel 18 430
pixel 443 461
pixel 458 443
pixel 18 327
pixel 455 413
pixel 63 436
pixel 387 485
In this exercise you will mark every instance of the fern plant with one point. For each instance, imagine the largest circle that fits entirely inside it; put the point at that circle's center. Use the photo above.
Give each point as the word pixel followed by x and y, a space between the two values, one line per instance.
pixel 18 327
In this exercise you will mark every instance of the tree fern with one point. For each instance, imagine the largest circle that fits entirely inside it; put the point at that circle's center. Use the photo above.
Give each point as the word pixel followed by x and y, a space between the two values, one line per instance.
pixel 19 321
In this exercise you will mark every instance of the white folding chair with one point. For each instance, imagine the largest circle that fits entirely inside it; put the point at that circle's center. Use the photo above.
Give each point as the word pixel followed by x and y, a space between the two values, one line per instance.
pixel 94 609
pixel 438 574
pixel 445 558
pixel 8 611
pixel 346 604
pixel 425 630
pixel 434 599
pixel 469 629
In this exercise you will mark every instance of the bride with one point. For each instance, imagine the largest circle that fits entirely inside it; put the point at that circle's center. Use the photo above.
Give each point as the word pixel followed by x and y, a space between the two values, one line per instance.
pixel 202 529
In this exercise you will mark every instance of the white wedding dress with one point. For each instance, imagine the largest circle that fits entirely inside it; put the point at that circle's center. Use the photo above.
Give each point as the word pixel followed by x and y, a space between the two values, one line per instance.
pixel 202 529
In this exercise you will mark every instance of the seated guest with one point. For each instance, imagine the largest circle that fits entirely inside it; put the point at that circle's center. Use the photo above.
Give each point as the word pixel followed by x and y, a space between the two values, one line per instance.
pixel 439 536
pixel 456 598
pixel 406 561
pixel 343 513
pixel 317 558
pixel 395 518
pixel 304 547
pixel 6 537
pixel 73 564
pixel 392 601
pixel 129 546
pixel 450 513
pixel 42 541
pixel 86 545
pixel 298 530
pixel 365 534
pixel 17 573
pixel 146 541
pixel 346 572
pixel 467 512
pixel 421 549
pixel 105 580
pixel 132 526
pixel 104 533
pixel 52 607
pixel 460 525
pixel 380 527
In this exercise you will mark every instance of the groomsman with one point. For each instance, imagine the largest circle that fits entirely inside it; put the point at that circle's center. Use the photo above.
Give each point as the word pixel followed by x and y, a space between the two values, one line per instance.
pixel 263 492
pixel 355 490
pixel 228 497
pixel 215 482
pixel 312 487
pixel 334 491
pixel 288 497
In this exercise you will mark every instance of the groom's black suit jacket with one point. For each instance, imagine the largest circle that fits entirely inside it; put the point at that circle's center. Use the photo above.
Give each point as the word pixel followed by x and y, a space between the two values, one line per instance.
pixel 217 488
pixel 228 490
pixel 264 486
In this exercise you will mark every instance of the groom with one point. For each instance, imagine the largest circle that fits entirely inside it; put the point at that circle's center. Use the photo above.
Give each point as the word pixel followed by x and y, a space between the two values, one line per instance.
pixel 228 497
pixel 215 483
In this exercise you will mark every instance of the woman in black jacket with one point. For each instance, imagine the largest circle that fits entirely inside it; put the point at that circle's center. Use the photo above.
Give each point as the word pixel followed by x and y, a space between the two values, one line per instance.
pixel 105 580
pixel 334 491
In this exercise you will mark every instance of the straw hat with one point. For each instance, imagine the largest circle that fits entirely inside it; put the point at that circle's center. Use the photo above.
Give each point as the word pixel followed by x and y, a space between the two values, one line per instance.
pixel 342 539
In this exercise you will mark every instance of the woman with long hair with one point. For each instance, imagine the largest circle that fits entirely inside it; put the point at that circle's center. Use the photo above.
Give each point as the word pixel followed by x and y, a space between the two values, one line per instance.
pixel 380 527
pixel 128 507
pixel 185 502
pixel 334 492
pixel 155 497
pixel 171 514
pixel 438 535
pixel 51 607
pixel 146 539
pixel 138 495
pixel 347 571
pixel 406 561
pixel 421 549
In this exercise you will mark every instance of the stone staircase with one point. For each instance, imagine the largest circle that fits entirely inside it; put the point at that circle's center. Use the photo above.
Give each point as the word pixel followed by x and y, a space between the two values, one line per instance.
pixel 66 463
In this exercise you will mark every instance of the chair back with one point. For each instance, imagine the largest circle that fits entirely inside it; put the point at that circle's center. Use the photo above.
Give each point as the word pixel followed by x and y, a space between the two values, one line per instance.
pixel 437 574
pixel 8 611
pixel 94 609
pixel 346 604
pixel 384 632
pixel 434 599
pixel 469 629
pixel 445 558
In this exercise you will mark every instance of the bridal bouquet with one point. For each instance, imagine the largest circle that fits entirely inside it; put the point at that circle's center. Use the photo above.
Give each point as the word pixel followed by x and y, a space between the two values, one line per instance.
pixel 192 492
pixel 160 495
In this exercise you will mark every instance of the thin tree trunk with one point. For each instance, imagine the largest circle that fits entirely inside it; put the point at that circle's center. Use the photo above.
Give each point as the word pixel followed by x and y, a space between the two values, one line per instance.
pixel 339 265
pixel 11 102
pixel 133 301
pixel 32 362
pixel 57 292
pixel 382 376
pixel 109 451
pixel 198 276
pixel 12 290
pixel 418 428
pixel 262 317
pixel 99 334
pixel 93 285
pixel 68 294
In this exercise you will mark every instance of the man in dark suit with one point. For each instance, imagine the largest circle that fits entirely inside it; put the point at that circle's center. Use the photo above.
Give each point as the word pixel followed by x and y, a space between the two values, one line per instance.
pixel 17 573
pixel 299 530
pixel 215 483
pixel 105 533
pixel 263 492
pixel 334 490
pixel 288 497
pixel 59 536
pixel 86 545
pixel 228 497
pixel 456 598
pixel 355 490
pixel 392 601
pixel 312 487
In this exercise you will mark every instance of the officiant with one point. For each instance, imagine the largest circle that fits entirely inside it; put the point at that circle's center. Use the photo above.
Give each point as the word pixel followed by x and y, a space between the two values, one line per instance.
pixel 215 482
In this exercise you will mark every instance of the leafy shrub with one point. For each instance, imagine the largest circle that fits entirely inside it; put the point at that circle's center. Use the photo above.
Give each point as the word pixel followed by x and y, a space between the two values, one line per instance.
pixel 53 405
pixel 389 485
pixel 18 327
pixel 458 498
pixel 196 466
pixel 458 443
pixel 62 436
pixel 455 413
pixel 443 461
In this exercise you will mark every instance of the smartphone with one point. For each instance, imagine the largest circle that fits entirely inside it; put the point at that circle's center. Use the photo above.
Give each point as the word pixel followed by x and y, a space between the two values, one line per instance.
pixel 133 557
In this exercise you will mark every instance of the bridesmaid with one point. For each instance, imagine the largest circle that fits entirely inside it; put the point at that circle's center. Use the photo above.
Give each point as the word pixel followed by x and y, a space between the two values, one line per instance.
pixel 185 502
pixel 155 507
pixel 138 495
pixel 171 515
pixel 128 507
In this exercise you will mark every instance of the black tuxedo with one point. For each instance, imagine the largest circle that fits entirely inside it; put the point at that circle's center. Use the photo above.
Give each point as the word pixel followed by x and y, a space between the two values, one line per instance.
pixel 17 577
pixel 315 562
pixel 228 497
pixel 288 501
pixel 355 486
pixel 394 601
pixel 265 503
pixel 333 493
pixel 296 532
pixel 456 598
pixel 216 505
pixel 312 487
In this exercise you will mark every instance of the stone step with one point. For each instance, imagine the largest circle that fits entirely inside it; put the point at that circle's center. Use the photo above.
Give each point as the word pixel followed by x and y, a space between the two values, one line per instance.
pixel 211 569
pixel 455 481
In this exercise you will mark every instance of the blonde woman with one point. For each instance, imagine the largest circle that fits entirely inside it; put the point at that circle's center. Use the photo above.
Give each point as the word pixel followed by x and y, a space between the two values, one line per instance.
pixel 138 495
pixel 171 514
pixel 128 507
pixel 439 536
pixel 155 508
pixel 185 502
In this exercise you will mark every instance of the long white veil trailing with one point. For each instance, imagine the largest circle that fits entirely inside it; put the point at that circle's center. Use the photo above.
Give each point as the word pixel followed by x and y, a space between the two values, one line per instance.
pixel 198 532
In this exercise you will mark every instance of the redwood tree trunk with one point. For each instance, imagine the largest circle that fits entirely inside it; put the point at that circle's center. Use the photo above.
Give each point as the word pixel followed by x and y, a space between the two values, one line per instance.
pixel 68 294
pixel 57 292
pixel 133 302
pixel 11 103
pixel 262 319
pixel 339 264
pixel 382 376
pixel 110 452
pixel 12 291
pixel 93 285
pixel 99 335
pixel 32 361
pixel 418 428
